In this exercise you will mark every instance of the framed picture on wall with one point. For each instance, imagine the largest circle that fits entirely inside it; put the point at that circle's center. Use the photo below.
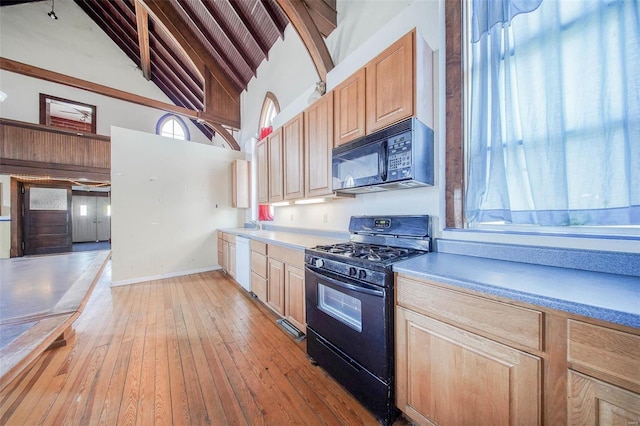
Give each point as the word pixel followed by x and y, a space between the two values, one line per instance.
pixel 67 114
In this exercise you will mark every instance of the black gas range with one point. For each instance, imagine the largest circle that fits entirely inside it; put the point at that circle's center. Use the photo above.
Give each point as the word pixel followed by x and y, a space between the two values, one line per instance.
pixel 349 299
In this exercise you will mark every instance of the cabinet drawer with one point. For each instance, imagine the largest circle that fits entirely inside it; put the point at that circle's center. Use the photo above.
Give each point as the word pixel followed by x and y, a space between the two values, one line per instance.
pixel 495 319
pixel 259 286
pixel 287 255
pixel 604 350
pixel 259 264
pixel 259 247
pixel 229 237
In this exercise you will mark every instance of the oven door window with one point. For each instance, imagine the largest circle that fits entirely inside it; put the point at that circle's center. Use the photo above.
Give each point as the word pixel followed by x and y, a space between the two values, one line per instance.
pixel 344 308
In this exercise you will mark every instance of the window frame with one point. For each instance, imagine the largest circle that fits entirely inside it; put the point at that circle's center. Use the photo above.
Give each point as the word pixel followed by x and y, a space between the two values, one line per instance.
pixel 166 118
pixel 455 162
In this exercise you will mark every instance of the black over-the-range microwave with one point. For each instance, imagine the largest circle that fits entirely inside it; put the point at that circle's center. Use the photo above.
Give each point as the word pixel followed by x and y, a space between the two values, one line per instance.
pixel 397 157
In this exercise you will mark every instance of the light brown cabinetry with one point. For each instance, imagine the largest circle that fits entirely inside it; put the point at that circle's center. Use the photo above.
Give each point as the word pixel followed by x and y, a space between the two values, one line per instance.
pixel 318 143
pixel 262 162
pixel 604 390
pixel 390 86
pixel 349 109
pixel 275 166
pixel 442 364
pixel 240 184
pixel 294 309
pixel 227 253
pixel 292 140
pixel 275 285
pixel 259 269
pixel 282 288
pixel 396 84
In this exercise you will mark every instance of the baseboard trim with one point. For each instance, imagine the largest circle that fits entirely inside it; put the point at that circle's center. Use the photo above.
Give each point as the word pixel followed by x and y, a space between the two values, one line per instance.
pixel 162 276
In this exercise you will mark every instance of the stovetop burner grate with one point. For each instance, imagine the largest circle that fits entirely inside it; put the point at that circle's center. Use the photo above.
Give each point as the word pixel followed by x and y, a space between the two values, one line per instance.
pixel 371 252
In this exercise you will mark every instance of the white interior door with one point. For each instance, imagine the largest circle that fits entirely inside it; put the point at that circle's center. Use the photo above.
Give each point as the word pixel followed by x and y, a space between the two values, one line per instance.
pixel 103 217
pixel 91 218
pixel 84 218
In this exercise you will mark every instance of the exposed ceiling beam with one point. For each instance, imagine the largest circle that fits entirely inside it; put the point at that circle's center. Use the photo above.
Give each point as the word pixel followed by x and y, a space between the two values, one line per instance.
pixel 223 102
pixel 142 21
pixel 229 34
pixel 163 13
pixel 324 15
pixel 302 21
pixel 54 77
pixel 272 15
pixel 250 29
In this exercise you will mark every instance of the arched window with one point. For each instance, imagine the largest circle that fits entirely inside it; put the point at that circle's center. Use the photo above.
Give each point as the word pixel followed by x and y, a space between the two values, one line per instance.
pixel 172 126
pixel 270 108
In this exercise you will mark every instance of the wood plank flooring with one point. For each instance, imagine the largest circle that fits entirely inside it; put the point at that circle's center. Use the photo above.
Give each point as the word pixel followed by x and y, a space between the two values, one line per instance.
pixel 192 350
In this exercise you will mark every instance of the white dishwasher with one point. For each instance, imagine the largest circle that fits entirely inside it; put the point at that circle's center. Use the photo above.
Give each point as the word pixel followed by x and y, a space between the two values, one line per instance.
pixel 243 262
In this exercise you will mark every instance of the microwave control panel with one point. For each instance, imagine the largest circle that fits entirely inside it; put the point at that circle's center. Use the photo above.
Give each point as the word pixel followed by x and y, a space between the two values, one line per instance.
pixel 399 157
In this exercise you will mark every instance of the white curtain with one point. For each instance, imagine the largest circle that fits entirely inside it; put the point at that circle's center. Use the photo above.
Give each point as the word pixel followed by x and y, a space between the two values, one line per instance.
pixel 554 135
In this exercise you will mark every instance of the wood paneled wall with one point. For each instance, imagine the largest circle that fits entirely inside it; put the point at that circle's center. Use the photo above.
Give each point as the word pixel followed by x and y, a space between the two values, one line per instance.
pixel 33 149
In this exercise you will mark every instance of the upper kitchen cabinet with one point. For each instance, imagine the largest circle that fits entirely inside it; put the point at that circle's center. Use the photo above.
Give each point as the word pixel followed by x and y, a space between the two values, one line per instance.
pixel 292 135
pixel 318 127
pixel 275 166
pixel 349 109
pixel 263 171
pixel 399 84
pixel 240 178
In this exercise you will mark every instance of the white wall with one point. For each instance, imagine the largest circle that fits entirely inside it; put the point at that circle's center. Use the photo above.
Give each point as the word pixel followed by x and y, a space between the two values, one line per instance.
pixel 168 199
pixel 73 45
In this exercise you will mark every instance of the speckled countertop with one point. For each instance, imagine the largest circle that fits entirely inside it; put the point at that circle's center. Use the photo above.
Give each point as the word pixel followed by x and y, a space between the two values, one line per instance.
pixel 293 240
pixel 605 296
pixel 552 278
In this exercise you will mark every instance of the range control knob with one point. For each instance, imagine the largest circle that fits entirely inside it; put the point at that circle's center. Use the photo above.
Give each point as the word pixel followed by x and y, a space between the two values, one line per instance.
pixel 362 274
pixel 352 271
pixel 319 263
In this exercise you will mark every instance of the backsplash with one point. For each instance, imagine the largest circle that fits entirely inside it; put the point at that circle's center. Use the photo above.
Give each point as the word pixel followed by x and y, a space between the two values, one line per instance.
pixel 588 260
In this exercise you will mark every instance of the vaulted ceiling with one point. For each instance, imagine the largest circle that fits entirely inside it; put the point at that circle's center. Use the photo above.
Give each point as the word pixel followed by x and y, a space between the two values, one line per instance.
pixel 203 53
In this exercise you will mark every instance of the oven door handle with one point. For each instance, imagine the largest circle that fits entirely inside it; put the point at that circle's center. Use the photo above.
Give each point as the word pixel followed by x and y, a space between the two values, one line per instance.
pixel 333 279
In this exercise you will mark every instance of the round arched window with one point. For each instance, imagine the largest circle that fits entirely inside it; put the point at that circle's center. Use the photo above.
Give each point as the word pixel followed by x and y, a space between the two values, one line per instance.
pixel 172 126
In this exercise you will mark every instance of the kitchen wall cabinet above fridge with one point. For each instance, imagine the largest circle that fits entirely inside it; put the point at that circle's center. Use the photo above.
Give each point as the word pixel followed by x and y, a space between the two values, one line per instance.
pixel 396 84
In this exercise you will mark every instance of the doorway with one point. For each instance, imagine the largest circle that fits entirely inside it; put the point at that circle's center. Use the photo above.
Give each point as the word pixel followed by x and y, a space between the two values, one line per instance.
pixel 91 212
pixel 47 219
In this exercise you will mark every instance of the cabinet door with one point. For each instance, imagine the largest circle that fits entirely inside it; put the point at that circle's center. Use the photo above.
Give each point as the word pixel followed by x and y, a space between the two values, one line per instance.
pixel 275 285
pixel 349 109
pixel 225 256
pixel 274 153
pixel 318 141
pixel 231 256
pixel 263 171
pixel 292 136
pixel 448 376
pixel 294 297
pixel 240 178
pixel 390 84
pixel 592 402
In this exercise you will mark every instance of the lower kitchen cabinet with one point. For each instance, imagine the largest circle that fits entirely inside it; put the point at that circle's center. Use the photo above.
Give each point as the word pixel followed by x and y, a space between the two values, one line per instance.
pixel 448 376
pixel 275 285
pixel 259 270
pixel 294 310
pixel 608 359
pixel 227 253
pixel 463 358
pixel 593 402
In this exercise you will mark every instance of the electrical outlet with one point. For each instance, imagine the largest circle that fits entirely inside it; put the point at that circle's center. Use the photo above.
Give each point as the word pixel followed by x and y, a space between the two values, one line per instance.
pixel 325 218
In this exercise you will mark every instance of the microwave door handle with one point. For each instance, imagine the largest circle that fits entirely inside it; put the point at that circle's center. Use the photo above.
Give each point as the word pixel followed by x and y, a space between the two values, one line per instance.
pixel 346 285
pixel 383 161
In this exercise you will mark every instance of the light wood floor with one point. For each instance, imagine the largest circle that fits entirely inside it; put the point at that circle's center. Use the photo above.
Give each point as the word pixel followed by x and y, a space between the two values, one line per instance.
pixel 184 351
